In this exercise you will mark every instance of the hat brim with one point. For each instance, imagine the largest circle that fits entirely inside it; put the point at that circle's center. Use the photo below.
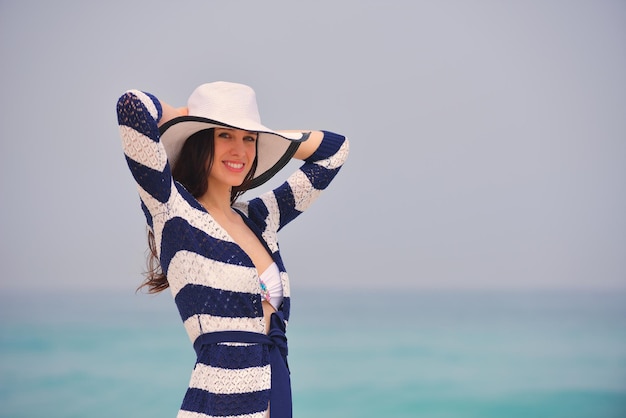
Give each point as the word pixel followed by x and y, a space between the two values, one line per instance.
pixel 274 150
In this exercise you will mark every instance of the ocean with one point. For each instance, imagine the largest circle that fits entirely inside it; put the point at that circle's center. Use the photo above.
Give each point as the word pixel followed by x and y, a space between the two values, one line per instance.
pixel 432 354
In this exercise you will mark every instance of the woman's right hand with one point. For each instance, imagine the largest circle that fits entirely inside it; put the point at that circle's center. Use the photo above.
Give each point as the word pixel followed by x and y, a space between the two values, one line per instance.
pixel 170 112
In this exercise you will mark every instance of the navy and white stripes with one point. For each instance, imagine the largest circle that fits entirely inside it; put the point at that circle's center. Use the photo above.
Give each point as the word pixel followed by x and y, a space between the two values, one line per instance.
pixel 214 283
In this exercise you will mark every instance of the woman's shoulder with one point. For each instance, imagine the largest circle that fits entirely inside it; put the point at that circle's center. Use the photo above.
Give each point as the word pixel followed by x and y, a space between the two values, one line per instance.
pixel 258 209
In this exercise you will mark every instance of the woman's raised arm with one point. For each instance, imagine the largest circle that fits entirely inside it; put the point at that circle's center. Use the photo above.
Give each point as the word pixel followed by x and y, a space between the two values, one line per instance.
pixel 308 147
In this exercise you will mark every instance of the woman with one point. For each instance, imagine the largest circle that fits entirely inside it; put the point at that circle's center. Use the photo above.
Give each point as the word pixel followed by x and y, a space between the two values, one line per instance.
pixel 219 257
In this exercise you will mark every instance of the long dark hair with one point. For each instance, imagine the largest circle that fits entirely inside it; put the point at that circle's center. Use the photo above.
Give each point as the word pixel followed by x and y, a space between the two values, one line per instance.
pixel 192 171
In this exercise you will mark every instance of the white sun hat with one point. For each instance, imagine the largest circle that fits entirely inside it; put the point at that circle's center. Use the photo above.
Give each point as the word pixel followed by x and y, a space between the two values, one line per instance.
pixel 223 104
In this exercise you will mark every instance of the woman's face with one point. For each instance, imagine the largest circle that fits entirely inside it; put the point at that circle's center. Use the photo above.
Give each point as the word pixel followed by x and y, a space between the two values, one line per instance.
pixel 233 155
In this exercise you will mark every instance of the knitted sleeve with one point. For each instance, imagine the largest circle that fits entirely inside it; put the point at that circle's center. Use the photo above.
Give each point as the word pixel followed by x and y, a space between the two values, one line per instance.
pixel 138 114
pixel 277 208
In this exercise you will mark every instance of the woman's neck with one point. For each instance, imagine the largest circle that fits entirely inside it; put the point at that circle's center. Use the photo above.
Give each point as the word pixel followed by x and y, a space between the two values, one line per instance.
pixel 217 202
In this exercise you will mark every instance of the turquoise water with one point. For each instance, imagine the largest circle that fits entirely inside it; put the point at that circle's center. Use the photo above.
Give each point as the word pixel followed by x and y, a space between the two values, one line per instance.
pixel 415 354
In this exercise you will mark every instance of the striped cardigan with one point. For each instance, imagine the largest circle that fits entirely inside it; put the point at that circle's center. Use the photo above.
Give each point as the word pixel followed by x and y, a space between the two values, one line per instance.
pixel 214 283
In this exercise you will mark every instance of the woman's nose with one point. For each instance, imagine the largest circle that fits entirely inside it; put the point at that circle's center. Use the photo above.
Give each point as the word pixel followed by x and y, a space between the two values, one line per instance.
pixel 238 147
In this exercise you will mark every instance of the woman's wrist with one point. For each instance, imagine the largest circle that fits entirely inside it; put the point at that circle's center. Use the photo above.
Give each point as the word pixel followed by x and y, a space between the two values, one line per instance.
pixel 308 147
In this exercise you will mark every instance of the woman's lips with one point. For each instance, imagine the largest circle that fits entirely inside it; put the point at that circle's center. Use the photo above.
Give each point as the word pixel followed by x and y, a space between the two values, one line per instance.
pixel 234 165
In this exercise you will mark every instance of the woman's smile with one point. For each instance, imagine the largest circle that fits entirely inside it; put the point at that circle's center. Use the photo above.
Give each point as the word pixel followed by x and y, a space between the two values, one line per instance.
pixel 234 166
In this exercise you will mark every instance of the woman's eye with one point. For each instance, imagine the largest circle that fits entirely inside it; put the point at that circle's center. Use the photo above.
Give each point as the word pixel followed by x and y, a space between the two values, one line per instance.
pixel 250 138
pixel 224 135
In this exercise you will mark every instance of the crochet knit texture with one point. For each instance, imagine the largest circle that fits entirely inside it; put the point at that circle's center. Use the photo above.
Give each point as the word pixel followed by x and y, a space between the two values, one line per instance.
pixel 214 283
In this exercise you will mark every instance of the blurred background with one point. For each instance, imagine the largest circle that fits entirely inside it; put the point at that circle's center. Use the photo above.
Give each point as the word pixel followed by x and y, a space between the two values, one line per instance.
pixel 469 260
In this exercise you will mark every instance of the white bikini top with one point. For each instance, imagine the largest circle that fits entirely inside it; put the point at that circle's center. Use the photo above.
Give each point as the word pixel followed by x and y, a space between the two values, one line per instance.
pixel 271 286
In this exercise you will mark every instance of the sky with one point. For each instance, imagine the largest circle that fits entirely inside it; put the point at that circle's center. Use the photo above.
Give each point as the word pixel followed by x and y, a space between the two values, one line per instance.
pixel 488 138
